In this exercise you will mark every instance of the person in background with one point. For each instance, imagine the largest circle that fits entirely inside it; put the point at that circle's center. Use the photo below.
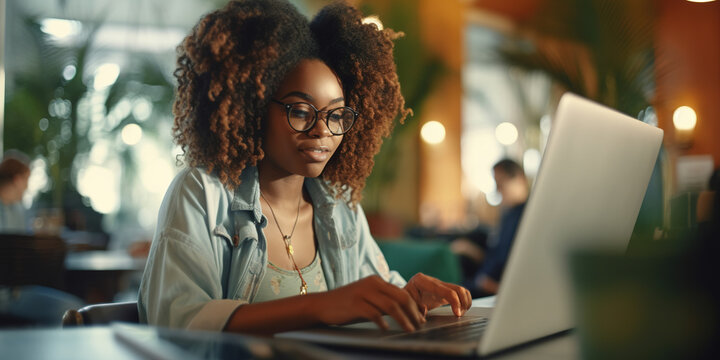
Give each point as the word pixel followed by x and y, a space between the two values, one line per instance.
pixel 14 175
pixel 708 209
pixel 514 188
pixel 279 120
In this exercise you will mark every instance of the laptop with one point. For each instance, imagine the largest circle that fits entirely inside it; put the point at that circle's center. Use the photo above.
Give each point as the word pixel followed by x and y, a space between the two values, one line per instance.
pixel 587 195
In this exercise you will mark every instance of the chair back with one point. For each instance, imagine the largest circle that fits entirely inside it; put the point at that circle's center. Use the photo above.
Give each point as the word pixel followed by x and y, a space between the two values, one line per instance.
pixel 409 257
pixel 32 260
pixel 102 314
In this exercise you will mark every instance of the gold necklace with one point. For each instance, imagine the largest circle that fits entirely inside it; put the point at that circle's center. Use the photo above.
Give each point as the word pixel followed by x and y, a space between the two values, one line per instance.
pixel 287 240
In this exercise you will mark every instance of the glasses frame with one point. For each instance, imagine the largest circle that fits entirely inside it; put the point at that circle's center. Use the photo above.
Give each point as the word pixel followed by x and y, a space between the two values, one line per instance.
pixel 289 106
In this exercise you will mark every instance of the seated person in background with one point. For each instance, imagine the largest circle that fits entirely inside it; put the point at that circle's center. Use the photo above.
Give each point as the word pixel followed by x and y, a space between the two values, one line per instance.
pixel 14 175
pixel 708 209
pixel 513 186
pixel 279 120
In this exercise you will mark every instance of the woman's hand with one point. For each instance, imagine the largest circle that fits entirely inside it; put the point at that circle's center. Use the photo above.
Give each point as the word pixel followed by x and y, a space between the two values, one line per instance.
pixel 429 293
pixel 368 299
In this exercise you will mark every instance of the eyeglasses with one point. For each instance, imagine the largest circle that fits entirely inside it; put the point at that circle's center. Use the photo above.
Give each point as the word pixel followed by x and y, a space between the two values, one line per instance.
pixel 302 117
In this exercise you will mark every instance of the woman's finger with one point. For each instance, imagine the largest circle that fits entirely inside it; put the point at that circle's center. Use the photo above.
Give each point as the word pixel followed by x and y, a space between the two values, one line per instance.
pixel 370 312
pixel 449 292
pixel 417 296
pixel 452 298
pixel 406 302
pixel 389 306
pixel 463 295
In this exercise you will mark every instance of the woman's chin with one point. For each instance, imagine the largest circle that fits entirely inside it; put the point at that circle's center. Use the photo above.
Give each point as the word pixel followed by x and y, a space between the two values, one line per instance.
pixel 313 170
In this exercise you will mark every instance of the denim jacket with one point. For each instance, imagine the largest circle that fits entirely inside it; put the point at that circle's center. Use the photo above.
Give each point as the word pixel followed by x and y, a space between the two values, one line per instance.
pixel 209 252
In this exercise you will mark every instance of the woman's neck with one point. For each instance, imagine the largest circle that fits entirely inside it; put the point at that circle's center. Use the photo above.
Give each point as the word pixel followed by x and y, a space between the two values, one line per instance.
pixel 280 188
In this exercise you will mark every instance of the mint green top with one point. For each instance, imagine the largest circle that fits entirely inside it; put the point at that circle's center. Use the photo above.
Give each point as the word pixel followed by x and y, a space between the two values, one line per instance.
pixel 281 283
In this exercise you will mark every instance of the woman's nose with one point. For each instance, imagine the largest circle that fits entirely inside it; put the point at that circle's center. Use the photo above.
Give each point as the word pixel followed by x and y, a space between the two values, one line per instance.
pixel 320 128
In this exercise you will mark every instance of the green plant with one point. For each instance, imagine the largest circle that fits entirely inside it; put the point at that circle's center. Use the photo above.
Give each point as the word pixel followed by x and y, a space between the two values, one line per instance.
pixel 54 111
pixel 418 71
pixel 600 49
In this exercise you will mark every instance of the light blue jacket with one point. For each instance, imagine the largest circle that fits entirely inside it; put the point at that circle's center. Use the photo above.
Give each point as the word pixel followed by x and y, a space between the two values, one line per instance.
pixel 209 252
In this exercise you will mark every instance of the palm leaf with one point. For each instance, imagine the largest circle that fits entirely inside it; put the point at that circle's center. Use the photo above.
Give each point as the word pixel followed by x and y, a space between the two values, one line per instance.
pixel 601 49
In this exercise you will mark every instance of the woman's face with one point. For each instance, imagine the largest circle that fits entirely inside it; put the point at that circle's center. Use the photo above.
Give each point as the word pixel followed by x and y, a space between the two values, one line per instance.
pixel 289 152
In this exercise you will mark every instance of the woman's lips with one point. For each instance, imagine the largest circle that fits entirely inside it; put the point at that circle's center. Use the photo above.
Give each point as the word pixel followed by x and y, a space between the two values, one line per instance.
pixel 316 154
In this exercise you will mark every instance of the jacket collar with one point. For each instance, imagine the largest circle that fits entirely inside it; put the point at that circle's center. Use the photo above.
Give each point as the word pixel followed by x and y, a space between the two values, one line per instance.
pixel 320 192
pixel 246 196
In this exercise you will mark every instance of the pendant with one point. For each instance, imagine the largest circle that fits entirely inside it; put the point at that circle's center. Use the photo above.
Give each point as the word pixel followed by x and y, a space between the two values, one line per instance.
pixel 288 245
pixel 303 289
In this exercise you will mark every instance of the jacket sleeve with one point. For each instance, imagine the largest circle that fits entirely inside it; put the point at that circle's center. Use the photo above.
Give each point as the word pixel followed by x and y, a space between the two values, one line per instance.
pixel 181 285
pixel 372 260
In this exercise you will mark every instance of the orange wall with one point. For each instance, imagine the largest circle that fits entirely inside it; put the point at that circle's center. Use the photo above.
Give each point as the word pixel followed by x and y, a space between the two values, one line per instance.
pixel 687 38
pixel 441 202
pixel 688 56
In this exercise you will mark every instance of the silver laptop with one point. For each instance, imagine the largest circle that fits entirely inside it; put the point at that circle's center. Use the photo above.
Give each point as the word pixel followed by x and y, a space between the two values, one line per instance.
pixel 587 195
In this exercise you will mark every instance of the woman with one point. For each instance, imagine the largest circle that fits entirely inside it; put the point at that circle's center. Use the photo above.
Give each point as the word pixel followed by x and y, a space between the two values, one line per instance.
pixel 279 120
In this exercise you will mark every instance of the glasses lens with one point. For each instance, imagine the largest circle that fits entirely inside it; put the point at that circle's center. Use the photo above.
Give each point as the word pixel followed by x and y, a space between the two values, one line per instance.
pixel 340 120
pixel 301 116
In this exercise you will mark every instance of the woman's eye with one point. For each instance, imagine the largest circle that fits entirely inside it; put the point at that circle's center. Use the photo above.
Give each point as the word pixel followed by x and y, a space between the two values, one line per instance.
pixel 298 113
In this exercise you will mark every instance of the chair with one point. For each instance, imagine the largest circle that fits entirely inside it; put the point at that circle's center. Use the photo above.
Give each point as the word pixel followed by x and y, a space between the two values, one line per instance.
pixel 101 314
pixel 433 258
pixel 32 260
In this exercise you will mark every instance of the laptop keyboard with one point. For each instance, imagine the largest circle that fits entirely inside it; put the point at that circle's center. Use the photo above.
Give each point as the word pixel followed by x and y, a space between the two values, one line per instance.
pixel 464 331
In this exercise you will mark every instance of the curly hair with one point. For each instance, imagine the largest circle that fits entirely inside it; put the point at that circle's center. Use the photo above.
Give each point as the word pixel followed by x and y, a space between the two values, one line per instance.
pixel 234 60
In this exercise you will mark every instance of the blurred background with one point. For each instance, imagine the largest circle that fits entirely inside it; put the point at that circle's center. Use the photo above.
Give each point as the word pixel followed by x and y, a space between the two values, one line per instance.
pixel 88 90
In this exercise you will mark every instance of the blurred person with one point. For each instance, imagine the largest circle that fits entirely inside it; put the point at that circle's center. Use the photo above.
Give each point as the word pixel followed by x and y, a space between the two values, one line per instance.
pixel 513 186
pixel 14 176
pixel 705 260
pixel 708 209
pixel 279 120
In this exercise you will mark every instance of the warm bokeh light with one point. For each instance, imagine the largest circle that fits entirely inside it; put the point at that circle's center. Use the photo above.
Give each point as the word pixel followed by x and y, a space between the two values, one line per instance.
pixel 69 72
pixel 700 1
pixel 480 152
pixel 373 19
pixel 60 29
pixel 531 161
pixel 545 124
pixel 38 181
pixel 433 132
pixel 506 133
pixel 142 109
pixel 493 198
pixel 684 118
pixel 156 172
pixel 100 184
pixel 132 134
pixel 106 75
